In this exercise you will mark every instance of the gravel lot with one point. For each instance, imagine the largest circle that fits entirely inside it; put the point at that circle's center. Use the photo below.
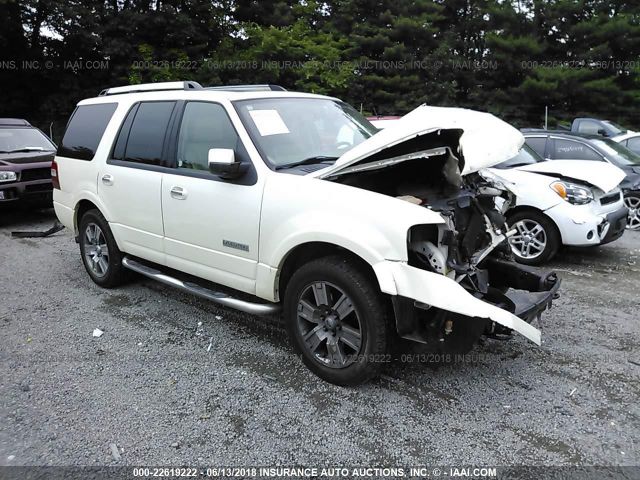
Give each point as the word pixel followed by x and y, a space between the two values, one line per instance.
pixel 167 389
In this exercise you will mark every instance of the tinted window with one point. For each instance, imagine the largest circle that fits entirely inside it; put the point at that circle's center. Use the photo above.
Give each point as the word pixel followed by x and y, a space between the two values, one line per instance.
pixel 85 130
pixel 145 140
pixel 572 150
pixel 633 144
pixel 204 126
pixel 537 144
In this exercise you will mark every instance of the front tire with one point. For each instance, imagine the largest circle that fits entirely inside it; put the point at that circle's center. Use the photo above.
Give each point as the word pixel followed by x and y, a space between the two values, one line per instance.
pixel 537 239
pixel 337 322
pixel 100 254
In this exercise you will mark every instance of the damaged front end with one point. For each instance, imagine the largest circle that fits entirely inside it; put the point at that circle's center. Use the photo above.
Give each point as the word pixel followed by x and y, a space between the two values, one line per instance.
pixel 460 281
pixel 472 250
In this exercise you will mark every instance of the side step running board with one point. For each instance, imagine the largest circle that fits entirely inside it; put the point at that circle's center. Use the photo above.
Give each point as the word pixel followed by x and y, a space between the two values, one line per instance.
pixel 217 297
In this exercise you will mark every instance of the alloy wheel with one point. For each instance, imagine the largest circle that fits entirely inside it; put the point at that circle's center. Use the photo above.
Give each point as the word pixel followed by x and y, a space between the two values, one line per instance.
pixel 633 204
pixel 96 251
pixel 329 325
pixel 530 240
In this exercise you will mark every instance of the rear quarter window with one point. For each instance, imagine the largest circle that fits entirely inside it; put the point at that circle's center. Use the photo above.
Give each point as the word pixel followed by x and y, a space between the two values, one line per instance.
pixel 85 130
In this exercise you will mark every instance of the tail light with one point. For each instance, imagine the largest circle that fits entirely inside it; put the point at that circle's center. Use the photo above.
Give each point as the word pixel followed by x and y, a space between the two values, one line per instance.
pixel 54 175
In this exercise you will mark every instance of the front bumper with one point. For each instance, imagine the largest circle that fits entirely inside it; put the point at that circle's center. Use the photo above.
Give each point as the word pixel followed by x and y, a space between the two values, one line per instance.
pixel 517 294
pixel 33 184
pixel 588 225
pixel 616 223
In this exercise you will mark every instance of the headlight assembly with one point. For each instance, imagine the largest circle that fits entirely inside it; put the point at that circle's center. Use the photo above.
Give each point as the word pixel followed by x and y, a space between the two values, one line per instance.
pixel 572 193
pixel 6 176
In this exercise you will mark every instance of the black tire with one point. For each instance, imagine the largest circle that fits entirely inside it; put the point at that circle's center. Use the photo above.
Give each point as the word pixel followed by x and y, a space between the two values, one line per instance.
pixel 113 273
pixel 550 232
pixel 367 315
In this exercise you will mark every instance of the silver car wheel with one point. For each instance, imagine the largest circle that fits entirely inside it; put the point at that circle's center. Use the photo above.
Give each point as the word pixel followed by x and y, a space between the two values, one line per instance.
pixel 329 325
pixel 96 251
pixel 530 240
pixel 633 204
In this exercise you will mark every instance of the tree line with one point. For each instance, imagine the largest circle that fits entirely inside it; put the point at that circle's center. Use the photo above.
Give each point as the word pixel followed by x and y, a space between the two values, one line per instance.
pixel 513 58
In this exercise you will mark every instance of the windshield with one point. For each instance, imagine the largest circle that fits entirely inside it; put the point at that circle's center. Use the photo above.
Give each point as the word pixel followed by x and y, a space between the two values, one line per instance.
pixel 615 128
pixel 617 153
pixel 526 156
pixel 289 131
pixel 20 139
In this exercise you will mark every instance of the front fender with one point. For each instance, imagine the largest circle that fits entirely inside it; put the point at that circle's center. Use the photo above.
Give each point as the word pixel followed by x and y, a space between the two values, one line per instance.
pixel 298 210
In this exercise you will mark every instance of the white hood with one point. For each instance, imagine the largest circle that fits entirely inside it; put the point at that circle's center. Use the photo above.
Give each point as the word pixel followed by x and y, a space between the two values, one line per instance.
pixel 485 141
pixel 603 175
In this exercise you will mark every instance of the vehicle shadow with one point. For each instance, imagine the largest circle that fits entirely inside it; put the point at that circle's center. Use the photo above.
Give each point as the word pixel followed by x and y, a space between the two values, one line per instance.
pixel 11 217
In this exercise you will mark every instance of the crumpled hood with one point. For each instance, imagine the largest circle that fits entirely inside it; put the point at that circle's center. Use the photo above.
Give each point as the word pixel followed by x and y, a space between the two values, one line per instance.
pixel 603 175
pixel 485 140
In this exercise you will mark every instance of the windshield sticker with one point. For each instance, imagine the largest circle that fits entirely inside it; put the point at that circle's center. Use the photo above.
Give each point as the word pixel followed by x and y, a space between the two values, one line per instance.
pixel 269 122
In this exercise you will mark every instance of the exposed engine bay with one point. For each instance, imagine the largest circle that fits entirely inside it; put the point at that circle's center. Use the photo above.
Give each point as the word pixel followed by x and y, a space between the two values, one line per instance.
pixel 470 248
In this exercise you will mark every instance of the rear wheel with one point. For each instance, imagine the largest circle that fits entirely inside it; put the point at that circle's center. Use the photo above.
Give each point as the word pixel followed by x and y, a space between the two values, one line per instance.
pixel 537 239
pixel 632 202
pixel 336 320
pixel 100 254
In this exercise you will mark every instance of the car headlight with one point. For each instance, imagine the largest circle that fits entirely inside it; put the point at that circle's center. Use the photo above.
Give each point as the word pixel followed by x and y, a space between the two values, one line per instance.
pixel 6 176
pixel 572 193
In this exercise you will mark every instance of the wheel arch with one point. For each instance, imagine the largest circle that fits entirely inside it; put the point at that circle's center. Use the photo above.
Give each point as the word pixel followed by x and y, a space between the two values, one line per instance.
pixel 308 251
pixel 528 208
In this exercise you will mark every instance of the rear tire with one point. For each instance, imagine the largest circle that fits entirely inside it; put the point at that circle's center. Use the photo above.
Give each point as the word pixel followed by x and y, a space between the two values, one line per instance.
pixel 100 254
pixel 337 322
pixel 537 240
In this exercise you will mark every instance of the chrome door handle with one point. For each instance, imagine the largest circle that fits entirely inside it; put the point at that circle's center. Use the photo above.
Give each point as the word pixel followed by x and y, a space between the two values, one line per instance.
pixel 178 193
pixel 107 179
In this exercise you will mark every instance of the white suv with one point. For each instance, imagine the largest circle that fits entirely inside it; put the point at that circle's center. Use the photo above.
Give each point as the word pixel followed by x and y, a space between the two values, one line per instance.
pixel 261 199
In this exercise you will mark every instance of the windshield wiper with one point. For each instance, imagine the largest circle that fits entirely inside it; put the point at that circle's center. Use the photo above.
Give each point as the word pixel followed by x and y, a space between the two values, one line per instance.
pixel 25 149
pixel 308 161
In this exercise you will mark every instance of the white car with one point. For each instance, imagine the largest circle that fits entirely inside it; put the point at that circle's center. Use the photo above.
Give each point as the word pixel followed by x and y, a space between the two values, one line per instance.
pixel 564 202
pixel 629 139
pixel 289 201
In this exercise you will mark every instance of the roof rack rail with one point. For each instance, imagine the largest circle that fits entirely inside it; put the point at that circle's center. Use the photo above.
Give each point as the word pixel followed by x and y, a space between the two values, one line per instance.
pixel 151 87
pixel 14 122
pixel 249 88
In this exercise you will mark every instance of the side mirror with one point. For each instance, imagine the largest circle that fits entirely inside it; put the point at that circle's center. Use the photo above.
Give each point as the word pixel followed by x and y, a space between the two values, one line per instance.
pixel 603 132
pixel 222 162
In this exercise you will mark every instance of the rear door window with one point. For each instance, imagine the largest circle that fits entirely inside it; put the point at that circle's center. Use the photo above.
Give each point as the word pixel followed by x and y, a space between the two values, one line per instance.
pixel 573 150
pixel 142 135
pixel 85 130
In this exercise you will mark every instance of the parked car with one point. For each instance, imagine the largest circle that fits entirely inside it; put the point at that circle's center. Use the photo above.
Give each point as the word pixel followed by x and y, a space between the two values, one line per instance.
pixel 25 164
pixel 565 202
pixel 630 140
pixel 555 145
pixel 596 126
pixel 294 201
